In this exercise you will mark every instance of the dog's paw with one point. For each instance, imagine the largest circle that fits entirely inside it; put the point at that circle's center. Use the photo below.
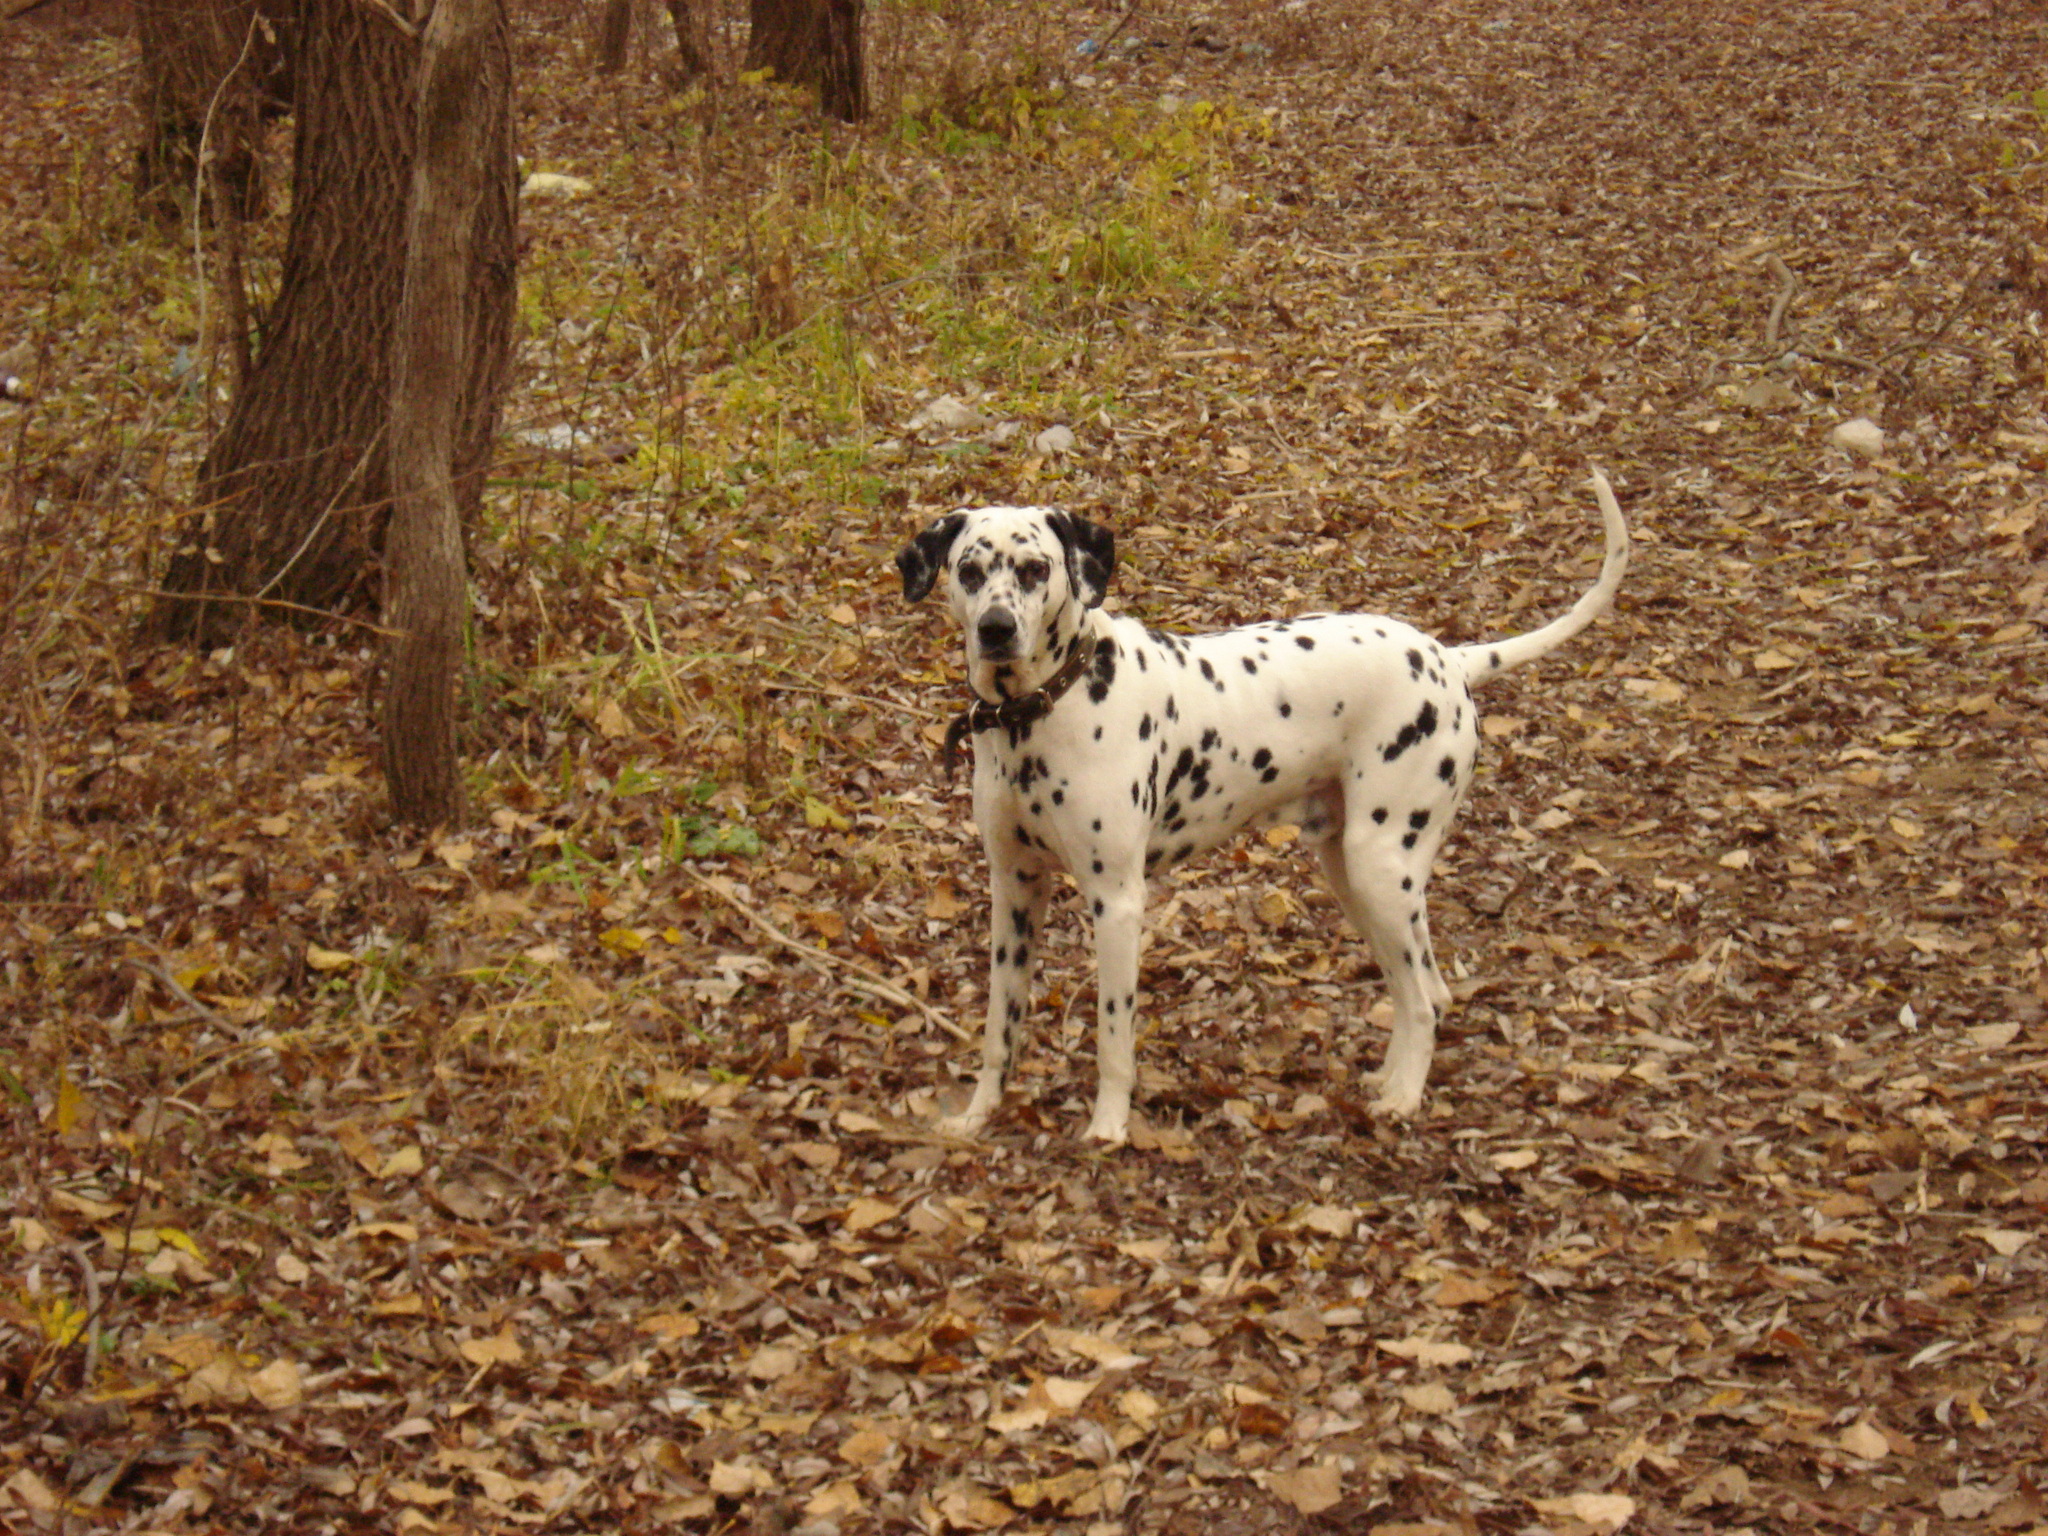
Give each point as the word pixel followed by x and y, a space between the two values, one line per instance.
pixel 1114 1129
pixel 1398 1102
pixel 966 1125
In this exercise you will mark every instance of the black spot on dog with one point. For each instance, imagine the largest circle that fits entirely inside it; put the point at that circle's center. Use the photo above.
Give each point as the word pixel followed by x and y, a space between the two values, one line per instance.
pixel 1261 758
pixel 1209 672
pixel 1211 739
pixel 1447 770
pixel 1306 642
pixel 1250 666
pixel 1424 724
pixel 1286 709
pixel 1101 673
pixel 1414 663
pixel 1379 813
pixel 1145 727
pixel 1418 819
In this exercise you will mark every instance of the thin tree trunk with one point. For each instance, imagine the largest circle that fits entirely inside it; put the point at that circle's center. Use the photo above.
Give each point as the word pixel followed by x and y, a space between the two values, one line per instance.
pixel 454 330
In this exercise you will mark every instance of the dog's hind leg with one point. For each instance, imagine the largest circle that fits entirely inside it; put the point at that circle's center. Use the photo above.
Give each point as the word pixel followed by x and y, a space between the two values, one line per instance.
pixel 1379 884
pixel 1017 903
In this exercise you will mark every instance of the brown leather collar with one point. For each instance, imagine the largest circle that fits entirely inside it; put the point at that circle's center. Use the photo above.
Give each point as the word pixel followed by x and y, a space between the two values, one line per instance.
pixel 1023 710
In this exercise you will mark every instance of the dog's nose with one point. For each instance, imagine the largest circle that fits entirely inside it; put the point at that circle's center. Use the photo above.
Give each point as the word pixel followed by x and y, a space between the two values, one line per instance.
pixel 996 633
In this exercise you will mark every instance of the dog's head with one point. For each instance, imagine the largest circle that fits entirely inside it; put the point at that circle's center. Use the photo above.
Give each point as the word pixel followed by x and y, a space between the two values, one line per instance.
pixel 1020 580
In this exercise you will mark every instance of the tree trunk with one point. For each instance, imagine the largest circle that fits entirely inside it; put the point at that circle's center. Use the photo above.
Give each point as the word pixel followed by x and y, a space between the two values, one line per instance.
pixel 294 489
pixel 815 43
pixel 693 44
pixel 204 65
pixel 454 338
pixel 294 492
pixel 614 42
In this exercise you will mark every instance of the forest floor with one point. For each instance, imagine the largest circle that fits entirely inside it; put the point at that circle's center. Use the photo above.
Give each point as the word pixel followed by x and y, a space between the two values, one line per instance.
pixel 575 1169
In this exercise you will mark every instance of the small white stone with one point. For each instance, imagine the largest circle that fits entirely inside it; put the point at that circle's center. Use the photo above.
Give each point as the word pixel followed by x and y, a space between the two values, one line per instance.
pixel 1054 441
pixel 550 184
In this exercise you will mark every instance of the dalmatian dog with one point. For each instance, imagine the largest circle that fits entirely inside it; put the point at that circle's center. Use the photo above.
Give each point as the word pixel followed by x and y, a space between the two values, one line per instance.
pixel 1113 751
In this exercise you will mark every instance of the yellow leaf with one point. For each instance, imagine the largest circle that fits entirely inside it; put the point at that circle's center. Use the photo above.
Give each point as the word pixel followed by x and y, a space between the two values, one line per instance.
pixel 737 1479
pixel 328 959
pixel 174 1238
pixel 1063 1489
pixel 1430 1397
pixel 83 1205
pixel 418 1493
pixel 818 814
pixel 500 1348
pixel 1427 1351
pixel 399 1231
pixel 1309 1489
pixel 865 1212
pixel 866 1447
pixel 840 1498
pixel 772 1362
pixel 70 1102
pixel 456 855
pixel 622 941
pixel 1657 690
pixel 1605 1512
pixel 403 1163
pixel 277 1386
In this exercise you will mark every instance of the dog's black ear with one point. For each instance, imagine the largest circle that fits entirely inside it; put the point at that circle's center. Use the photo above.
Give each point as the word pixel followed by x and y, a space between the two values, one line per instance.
pixel 1091 555
pixel 921 560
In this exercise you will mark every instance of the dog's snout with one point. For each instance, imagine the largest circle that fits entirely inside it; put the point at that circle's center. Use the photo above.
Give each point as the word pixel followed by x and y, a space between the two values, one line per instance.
pixel 996 632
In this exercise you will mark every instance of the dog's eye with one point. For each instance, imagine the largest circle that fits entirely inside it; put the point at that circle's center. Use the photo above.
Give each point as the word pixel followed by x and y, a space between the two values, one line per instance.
pixel 1033 574
pixel 971 577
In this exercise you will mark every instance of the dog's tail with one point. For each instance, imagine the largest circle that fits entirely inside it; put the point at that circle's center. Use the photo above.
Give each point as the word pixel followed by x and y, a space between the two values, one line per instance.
pixel 1491 658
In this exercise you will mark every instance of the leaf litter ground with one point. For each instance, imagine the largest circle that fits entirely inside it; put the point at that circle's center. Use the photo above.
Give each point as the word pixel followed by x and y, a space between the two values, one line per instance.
pixel 572 1170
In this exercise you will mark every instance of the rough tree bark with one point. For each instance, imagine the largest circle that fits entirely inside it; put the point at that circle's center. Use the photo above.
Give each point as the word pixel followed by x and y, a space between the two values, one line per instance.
pixel 294 493
pixel 454 330
pixel 815 43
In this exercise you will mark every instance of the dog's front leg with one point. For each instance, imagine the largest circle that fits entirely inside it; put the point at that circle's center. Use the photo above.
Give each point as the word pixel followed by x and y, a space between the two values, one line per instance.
pixel 1118 912
pixel 1017 902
